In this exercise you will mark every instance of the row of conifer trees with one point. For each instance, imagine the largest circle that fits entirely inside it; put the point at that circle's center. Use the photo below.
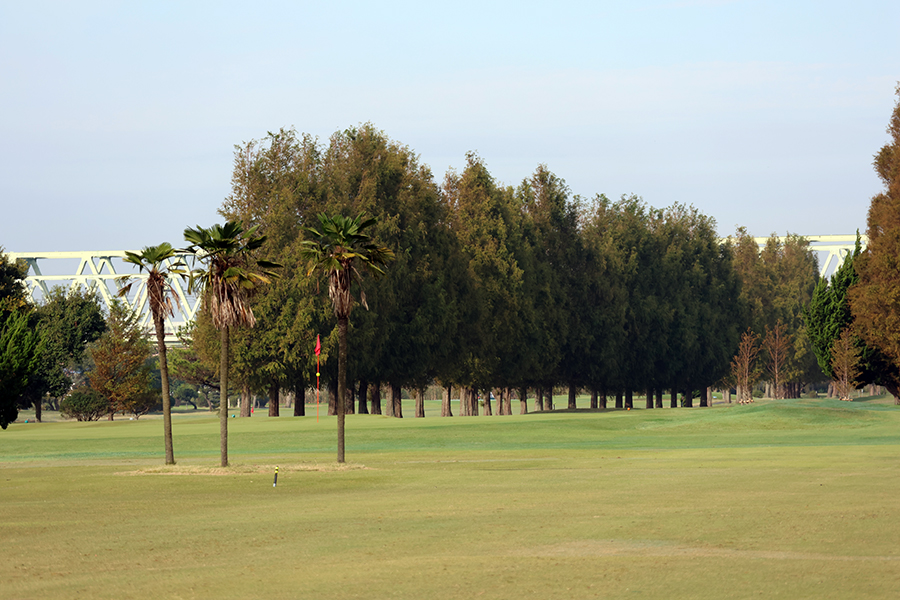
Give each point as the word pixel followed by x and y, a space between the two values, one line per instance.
pixel 517 289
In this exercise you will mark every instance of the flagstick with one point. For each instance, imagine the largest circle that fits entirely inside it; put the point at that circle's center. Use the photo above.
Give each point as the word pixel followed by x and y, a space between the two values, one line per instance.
pixel 318 351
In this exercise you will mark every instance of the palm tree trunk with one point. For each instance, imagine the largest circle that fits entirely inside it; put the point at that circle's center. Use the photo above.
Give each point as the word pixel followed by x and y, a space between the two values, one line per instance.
pixel 342 385
pixel 166 401
pixel 223 397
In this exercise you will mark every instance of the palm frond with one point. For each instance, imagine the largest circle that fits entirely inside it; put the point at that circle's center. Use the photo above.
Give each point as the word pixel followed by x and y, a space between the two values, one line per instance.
pixel 337 247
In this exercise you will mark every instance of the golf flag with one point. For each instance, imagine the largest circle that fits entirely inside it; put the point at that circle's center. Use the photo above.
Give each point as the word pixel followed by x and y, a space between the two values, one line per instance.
pixel 318 351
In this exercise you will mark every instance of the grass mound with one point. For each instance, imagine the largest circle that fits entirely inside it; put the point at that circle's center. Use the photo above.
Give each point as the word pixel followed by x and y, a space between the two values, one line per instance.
pixel 241 469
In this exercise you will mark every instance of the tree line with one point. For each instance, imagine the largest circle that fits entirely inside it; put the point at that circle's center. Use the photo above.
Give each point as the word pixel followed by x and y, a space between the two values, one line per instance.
pixel 518 290
pixel 513 289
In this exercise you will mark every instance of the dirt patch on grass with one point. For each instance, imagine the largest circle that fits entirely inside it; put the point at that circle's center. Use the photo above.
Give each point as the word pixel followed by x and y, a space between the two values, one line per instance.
pixel 603 548
pixel 240 469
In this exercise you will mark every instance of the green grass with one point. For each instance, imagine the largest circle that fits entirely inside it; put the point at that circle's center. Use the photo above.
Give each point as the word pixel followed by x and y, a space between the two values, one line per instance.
pixel 789 499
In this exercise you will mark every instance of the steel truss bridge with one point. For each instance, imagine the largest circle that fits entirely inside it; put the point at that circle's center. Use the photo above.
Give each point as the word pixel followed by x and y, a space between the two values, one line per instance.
pixel 103 273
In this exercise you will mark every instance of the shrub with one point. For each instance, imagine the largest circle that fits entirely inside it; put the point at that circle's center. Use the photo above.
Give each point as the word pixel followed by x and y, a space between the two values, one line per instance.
pixel 84 404
pixel 143 403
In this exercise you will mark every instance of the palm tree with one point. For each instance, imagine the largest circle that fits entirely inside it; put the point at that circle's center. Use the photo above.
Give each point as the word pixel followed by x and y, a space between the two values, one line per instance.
pixel 227 281
pixel 161 262
pixel 338 247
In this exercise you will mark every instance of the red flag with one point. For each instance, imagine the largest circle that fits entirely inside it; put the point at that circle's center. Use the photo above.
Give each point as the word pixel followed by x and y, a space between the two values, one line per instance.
pixel 318 346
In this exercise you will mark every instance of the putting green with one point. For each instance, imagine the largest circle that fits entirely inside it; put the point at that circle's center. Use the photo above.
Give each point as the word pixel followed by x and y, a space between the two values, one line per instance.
pixel 787 499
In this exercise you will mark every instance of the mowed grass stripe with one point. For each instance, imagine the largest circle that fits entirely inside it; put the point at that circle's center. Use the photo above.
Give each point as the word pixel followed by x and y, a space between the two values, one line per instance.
pixel 779 423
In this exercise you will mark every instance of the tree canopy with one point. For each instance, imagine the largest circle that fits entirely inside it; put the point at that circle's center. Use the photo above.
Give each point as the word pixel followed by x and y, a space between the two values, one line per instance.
pixel 493 286
pixel 120 373
pixel 875 298
pixel 21 344
pixel 777 284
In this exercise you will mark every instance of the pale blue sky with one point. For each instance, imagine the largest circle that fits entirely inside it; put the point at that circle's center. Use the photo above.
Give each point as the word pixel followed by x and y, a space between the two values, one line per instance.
pixel 118 119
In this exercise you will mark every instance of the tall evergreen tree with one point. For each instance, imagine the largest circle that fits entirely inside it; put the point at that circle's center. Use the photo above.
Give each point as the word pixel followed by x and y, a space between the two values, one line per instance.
pixel 20 353
pixel 875 299
pixel 119 357
pixel 556 283
pixel 608 298
pixel 703 304
pixel 406 336
pixel 828 315
pixel 488 233
pixel 19 343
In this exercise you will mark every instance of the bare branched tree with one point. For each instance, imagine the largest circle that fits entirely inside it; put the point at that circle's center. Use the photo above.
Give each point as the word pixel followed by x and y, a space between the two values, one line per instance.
pixel 845 359
pixel 743 366
pixel 777 345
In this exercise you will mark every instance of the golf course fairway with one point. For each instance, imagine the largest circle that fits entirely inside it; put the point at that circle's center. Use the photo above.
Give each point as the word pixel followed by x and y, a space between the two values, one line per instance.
pixel 778 499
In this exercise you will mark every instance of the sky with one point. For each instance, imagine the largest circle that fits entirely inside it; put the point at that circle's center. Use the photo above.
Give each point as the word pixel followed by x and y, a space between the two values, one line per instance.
pixel 118 120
